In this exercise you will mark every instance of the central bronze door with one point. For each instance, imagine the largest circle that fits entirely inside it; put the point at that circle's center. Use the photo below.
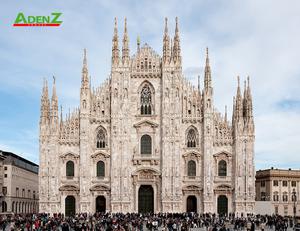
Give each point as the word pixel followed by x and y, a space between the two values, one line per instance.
pixel 100 204
pixel 70 206
pixel 222 205
pixel 146 199
pixel 191 204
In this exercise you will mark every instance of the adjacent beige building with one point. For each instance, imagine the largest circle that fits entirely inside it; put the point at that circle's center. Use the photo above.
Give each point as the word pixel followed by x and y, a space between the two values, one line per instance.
pixel 147 140
pixel 20 184
pixel 281 187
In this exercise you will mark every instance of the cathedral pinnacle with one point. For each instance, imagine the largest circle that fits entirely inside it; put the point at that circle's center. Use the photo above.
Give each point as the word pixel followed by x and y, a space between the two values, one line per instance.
pixel 54 96
pixel 45 105
pixel 249 99
pixel 116 27
pixel 239 102
pixel 85 77
pixel 125 49
pixel 176 28
pixel 115 46
pixel 245 89
pixel 207 57
pixel 238 88
pixel 125 27
pixel 166 44
pixel 84 58
pixel 166 26
pixel 207 72
pixel 248 88
pixel 54 105
pixel 45 89
pixel 176 48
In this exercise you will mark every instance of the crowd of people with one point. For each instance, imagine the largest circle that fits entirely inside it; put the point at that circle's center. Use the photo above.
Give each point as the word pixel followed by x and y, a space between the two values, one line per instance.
pixel 142 222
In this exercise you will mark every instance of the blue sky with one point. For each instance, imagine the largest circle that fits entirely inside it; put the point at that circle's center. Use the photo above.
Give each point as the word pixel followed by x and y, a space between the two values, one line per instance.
pixel 260 38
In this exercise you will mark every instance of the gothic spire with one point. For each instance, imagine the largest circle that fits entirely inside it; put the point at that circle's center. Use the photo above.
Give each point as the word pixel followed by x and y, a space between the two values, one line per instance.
pixel 45 90
pixel 207 72
pixel 198 83
pixel 85 75
pixel 45 104
pixel 239 101
pixel 125 48
pixel 115 46
pixel 166 43
pixel 245 89
pixel 166 26
pixel 249 99
pixel 54 104
pixel 245 101
pixel 176 47
pixel 54 96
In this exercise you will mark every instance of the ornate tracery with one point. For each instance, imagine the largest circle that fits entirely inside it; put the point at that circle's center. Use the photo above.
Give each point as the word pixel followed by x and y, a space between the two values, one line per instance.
pixel 146 100
pixel 192 138
pixel 101 138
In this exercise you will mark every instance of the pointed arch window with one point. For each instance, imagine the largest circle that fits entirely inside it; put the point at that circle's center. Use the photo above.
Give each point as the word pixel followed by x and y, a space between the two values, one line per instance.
pixel 191 168
pixel 100 169
pixel 101 138
pixel 192 138
pixel 70 168
pixel 146 145
pixel 222 168
pixel 146 108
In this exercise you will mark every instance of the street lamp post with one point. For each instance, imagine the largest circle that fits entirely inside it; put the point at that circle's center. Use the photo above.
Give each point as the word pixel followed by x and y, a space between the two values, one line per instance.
pixel 294 208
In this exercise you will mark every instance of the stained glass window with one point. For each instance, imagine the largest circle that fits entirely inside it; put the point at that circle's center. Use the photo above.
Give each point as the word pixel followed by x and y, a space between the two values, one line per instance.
pixel 191 138
pixel 146 100
pixel 101 138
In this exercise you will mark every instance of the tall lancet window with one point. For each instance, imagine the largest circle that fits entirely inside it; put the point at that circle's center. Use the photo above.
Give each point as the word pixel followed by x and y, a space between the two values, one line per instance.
pixel 191 168
pixel 192 138
pixel 101 138
pixel 146 144
pixel 146 100
pixel 222 168
pixel 70 168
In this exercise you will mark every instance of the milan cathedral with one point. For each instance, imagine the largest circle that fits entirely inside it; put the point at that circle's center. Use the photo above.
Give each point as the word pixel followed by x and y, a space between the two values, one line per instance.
pixel 147 140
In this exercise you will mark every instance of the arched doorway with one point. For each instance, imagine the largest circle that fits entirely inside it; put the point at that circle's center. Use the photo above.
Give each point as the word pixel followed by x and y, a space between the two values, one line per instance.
pixel 222 205
pixel 4 206
pixel 69 206
pixel 100 204
pixel 146 199
pixel 191 204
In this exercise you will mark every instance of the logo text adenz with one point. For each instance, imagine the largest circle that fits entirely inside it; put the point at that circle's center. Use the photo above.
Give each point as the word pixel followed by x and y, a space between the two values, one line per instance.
pixel 52 20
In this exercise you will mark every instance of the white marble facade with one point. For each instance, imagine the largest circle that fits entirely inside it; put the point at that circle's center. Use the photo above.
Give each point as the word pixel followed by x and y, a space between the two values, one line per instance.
pixel 190 157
